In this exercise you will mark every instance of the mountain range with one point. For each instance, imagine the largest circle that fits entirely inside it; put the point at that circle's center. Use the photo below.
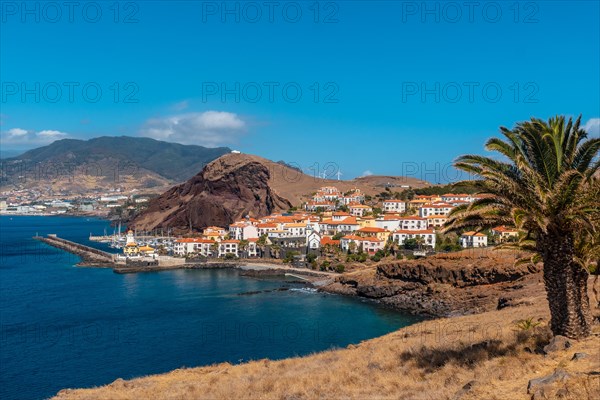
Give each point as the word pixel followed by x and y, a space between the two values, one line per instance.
pixel 130 162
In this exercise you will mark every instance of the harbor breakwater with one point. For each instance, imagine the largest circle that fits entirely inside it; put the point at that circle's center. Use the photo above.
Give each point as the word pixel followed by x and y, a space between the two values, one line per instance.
pixel 89 255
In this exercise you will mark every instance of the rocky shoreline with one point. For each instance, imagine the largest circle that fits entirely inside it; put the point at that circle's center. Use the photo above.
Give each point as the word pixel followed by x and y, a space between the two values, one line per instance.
pixel 443 285
pixel 437 286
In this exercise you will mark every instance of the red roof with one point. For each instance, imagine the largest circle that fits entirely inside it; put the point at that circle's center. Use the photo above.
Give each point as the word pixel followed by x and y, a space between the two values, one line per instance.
pixel 345 221
pixel 266 225
pixel 328 240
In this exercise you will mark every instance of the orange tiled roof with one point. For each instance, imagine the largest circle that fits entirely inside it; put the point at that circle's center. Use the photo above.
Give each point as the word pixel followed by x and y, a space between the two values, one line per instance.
pixel 328 240
pixel 472 233
pixel 267 225
pixel 294 225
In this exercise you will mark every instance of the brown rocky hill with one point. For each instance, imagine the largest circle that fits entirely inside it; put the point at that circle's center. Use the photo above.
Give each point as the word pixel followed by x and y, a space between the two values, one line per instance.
pixel 236 185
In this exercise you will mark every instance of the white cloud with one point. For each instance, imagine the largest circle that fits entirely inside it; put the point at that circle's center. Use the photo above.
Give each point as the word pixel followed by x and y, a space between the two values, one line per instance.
pixel 24 137
pixel 592 126
pixel 210 128
pixel 16 132
pixel 367 173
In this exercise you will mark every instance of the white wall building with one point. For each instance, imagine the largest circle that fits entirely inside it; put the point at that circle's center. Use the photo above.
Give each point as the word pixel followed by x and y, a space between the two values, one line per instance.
pixel 435 209
pixel 185 246
pixel 229 247
pixel 401 235
pixel 397 206
pixel 472 239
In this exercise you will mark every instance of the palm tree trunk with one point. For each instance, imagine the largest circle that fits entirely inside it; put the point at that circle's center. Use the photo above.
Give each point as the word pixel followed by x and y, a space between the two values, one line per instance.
pixel 566 286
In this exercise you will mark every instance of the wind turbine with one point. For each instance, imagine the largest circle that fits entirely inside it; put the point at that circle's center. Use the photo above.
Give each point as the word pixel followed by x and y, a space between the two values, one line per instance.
pixel 339 173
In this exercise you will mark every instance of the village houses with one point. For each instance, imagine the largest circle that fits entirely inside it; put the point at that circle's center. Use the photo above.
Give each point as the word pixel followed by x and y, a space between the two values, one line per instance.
pixel 358 229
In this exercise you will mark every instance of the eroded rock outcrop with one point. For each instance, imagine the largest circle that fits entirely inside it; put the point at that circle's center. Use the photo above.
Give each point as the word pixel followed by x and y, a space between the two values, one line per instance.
pixel 227 189
pixel 460 272
pixel 465 282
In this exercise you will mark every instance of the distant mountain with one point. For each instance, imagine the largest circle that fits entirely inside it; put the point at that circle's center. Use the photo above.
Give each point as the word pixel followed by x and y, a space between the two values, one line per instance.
pixel 106 160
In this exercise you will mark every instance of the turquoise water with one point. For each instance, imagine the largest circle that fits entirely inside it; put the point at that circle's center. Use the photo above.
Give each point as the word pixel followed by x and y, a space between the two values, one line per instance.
pixel 64 326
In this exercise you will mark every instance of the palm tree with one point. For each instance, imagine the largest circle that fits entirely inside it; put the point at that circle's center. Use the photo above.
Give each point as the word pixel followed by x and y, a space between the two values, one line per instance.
pixel 275 251
pixel 545 186
pixel 243 246
pixel 420 241
pixel 214 249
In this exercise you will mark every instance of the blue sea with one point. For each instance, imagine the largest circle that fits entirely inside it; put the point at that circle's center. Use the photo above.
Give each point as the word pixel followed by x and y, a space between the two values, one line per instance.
pixel 67 327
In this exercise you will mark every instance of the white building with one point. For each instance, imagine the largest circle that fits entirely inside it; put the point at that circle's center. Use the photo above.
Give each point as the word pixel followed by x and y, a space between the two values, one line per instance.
pixel 396 206
pixel 436 221
pixel 185 246
pixel 313 239
pixel 358 210
pixel 243 231
pixel 428 236
pixel 319 205
pixel 435 209
pixel 229 247
pixel 389 222
pixel 473 239
pixel 294 229
pixel 451 197
pixel 413 223
pixel 368 244
pixel 344 225
pixel 265 228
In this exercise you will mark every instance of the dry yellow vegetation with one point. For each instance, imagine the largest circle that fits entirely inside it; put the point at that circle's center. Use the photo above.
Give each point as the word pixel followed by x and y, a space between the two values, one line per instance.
pixel 483 356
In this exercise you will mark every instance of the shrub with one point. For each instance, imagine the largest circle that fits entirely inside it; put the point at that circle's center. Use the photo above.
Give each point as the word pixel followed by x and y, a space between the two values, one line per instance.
pixel 289 257
pixel 339 268
pixel 378 256
pixel 527 324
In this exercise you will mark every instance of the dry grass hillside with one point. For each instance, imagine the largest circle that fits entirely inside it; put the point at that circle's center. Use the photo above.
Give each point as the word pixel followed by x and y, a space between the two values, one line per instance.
pixel 484 356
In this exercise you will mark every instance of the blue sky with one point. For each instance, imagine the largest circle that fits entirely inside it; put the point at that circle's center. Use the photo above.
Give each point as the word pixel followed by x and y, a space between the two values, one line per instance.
pixel 386 87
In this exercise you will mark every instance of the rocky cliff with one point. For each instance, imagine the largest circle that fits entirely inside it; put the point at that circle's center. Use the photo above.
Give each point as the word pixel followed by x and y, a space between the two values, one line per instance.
pixel 465 282
pixel 468 270
pixel 227 189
